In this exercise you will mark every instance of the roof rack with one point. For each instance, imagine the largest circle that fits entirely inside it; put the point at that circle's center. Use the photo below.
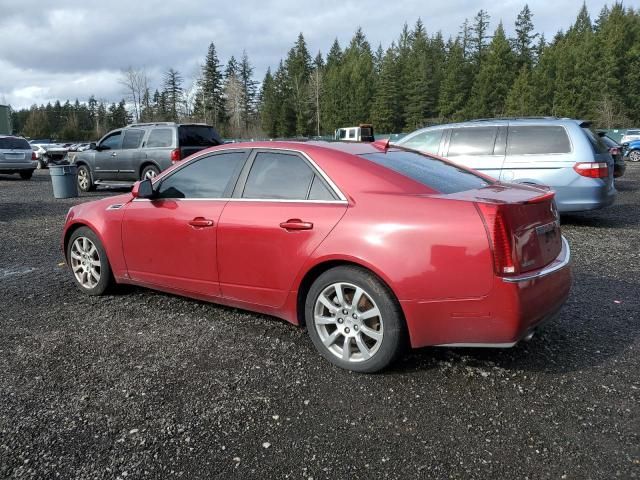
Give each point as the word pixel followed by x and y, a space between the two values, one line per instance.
pixel 150 124
pixel 517 118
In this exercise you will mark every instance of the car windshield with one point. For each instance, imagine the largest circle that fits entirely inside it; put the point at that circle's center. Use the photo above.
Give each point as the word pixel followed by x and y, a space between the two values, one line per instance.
pixel 198 136
pixel 11 143
pixel 437 174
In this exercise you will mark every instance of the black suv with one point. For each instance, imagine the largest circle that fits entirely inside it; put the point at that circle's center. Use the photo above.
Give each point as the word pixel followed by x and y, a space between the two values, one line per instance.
pixel 140 150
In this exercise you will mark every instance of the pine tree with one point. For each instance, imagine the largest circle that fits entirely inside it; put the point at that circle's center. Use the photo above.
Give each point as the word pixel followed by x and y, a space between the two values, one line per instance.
pixel 525 36
pixel 298 68
pixel 359 79
pixel 333 98
pixel 521 98
pixel 479 36
pixel 386 109
pixel 421 90
pixel 210 90
pixel 173 91
pixel 268 105
pixel 456 85
pixel 249 91
pixel 494 80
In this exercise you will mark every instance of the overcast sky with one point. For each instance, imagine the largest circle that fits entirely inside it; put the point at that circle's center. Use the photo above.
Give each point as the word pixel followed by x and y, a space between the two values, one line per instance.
pixel 76 48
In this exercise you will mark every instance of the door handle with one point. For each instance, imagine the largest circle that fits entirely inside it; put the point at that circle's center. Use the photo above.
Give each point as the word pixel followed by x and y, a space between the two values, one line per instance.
pixel 114 154
pixel 296 224
pixel 200 222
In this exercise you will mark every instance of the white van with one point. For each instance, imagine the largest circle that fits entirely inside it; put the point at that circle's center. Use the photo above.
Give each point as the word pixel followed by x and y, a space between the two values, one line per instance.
pixel 362 133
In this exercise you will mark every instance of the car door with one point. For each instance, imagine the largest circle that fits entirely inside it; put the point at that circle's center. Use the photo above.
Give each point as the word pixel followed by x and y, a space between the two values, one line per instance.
pixel 171 241
pixel 129 158
pixel 106 156
pixel 283 207
pixel 477 147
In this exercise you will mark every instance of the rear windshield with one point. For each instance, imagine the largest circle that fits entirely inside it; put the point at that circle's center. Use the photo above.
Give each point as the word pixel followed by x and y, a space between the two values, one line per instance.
pixel 436 174
pixel 596 142
pixel 198 136
pixel 633 132
pixel 14 143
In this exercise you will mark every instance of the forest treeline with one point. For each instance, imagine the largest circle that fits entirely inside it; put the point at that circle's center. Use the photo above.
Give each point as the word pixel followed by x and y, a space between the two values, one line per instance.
pixel 590 70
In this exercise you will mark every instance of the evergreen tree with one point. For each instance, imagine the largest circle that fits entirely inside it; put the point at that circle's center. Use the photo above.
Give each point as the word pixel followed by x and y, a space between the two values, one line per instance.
pixel 211 100
pixel 479 36
pixel 455 87
pixel 523 42
pixel 268 105
pixel 386 109
pixel 333 98
pixel 359 79
pixel 494 80
pixel 249 90
pixel 521 98
pixel 173 91
pixel 298 68
pixel 421 89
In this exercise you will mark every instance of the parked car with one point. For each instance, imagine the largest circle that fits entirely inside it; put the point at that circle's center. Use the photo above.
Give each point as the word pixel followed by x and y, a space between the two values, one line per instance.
pixel 140 150
pixel 630 135
pixel 40 156
pixel 631 150
pixel 359 242
pixel 563 154
pixel 16 156
pixel 615 150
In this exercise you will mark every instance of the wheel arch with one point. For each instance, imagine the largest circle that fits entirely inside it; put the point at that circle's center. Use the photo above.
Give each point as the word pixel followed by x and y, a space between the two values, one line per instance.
pixel 319 268
pixel 146 163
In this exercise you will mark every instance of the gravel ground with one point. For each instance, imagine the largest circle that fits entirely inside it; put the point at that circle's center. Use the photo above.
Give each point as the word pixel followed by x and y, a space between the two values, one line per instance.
pixel 141 384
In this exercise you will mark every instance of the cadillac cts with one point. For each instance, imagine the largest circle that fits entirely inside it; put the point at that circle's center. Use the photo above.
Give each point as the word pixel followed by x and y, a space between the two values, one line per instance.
pixel 370 247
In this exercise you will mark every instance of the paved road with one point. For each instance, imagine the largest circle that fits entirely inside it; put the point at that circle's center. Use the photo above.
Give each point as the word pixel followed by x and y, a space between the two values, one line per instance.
pixel 146 385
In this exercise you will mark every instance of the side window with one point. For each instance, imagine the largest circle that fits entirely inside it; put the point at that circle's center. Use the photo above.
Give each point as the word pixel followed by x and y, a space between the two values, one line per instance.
pixel 472 141
pixel 352 133
pixel 343 133
pixel 277 175
pixel 112 142
pixel 425 141
pixel 531 140
pixel 208 177
pixel 132 138
pixel 319 190
pixel 160 137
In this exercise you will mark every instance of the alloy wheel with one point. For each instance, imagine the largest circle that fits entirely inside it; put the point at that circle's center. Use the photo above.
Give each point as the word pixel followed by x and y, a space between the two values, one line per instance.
pixel 348 322
pixel 85 262
pixel 634 156
pixel 83 179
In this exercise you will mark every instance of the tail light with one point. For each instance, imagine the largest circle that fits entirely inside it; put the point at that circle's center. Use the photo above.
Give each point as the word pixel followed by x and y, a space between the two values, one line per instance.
pixel 175 155
pixel 33 156
pixel 500 238
pixel 592 169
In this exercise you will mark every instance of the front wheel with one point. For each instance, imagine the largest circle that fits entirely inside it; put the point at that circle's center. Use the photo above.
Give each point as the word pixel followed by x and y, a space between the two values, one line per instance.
pixel 88 262
pixel 634 156
pixel 84 179
pixel 354 320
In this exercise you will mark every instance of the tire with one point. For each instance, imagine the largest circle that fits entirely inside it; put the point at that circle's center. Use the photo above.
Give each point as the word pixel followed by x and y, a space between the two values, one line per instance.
pixel 85 182
pixel 149 171
pixel 374 327
pixel 26 175
pixel 84 250
pixel 634 156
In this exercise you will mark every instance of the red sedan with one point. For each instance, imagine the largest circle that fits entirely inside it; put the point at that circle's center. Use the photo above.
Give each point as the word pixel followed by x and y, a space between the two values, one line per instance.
pixel 370 247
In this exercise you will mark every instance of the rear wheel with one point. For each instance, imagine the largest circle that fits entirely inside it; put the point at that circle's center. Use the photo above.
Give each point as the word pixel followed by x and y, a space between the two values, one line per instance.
pixel 84 179
pixel 353 320
pixel 634 156
pixel 26 175
pixel 150 171
pixel 88 262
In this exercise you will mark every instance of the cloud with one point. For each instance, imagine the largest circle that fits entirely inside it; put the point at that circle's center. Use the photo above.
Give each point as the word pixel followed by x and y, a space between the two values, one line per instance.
pixel 75 48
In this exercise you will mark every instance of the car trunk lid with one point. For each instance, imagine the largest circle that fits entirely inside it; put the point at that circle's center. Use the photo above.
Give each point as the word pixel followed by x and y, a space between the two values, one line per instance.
pixel 522 225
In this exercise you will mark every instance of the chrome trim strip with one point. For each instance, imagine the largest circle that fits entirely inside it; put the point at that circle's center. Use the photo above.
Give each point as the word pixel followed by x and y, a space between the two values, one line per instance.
pixel 322 173
pixel 554 267
pixel 115 206
pixel 261 200
pixel 477 345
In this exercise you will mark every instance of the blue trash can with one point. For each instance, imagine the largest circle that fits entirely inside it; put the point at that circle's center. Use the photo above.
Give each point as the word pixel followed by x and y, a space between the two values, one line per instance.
pixel 64 181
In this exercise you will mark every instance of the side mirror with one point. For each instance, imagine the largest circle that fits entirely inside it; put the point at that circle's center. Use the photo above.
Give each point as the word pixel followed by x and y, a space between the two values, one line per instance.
pixel 92 146
pixel 143 189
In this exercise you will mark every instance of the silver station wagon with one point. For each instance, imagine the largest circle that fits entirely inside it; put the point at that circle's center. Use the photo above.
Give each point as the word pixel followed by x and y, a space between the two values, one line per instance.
pixel 563 154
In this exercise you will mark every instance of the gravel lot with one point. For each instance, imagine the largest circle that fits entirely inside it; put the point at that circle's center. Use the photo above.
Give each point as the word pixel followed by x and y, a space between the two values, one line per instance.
pixel 141 384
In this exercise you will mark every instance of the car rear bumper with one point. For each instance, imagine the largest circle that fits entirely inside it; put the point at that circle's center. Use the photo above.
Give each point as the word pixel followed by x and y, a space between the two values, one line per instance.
pixel 512 311
pixel 588 194
pixel 17 166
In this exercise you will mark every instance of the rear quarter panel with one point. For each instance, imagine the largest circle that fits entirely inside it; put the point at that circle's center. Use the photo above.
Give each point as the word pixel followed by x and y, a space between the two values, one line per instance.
pixel 424 248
